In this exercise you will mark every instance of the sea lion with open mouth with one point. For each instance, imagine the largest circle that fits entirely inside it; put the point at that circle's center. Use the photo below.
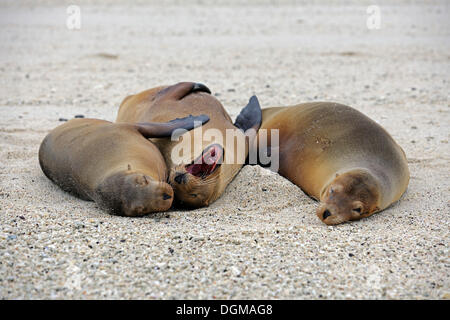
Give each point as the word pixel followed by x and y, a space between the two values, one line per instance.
pixel 200 175
pixel 113 164
pixel 338 156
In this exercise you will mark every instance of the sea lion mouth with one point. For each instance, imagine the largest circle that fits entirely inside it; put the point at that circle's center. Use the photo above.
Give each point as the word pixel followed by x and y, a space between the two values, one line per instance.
pixel 207 163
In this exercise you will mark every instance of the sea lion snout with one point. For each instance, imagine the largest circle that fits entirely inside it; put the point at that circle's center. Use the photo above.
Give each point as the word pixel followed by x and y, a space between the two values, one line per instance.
pixel 180 177
pixel 326 214
pixel 330 215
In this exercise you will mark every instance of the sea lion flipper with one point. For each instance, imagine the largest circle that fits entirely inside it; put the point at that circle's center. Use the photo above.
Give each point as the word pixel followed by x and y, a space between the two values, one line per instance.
pixel 250 116
pixel 182 89
pixel 165 129
pixel 200 87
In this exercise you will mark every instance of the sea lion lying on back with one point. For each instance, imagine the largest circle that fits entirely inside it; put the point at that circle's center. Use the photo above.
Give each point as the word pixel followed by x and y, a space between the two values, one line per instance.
pixel 113 164
pixel 338 156
pixel 200 175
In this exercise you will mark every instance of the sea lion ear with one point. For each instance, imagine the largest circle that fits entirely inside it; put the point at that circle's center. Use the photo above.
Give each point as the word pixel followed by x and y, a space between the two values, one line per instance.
pixel 250 116
pixel 165 129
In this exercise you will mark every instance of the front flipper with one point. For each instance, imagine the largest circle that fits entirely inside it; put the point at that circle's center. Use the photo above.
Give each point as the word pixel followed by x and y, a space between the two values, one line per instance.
pixel 250 116
pixel 165 129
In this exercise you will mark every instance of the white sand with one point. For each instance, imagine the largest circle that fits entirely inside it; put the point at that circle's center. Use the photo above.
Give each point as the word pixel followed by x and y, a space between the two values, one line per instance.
pixel 250 243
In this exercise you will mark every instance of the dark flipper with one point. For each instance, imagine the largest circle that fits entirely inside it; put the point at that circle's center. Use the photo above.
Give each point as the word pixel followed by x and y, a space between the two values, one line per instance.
pixel 250 116
pixel 180 90
pixel 200 87
pixel 165 129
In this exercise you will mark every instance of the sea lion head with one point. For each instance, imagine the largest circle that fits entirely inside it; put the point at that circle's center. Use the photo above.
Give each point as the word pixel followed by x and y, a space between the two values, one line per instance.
pixel 350 196
pixel 197 184
pixel 131 193
pixel 204 177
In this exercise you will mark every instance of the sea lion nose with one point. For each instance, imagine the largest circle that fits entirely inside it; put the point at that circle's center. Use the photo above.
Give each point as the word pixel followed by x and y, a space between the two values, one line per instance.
pixel 326 214
pixel 180 177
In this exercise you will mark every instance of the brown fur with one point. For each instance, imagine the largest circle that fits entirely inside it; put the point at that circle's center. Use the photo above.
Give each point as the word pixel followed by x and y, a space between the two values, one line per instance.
pixel 340 157
pixel 166 102
pixel 112 164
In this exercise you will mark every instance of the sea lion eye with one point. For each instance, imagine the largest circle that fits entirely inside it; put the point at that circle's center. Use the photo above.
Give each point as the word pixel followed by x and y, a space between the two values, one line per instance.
pixel 193 195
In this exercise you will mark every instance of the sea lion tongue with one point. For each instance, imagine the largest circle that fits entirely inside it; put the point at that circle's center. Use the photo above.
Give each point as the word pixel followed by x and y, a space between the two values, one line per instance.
pixel 207 164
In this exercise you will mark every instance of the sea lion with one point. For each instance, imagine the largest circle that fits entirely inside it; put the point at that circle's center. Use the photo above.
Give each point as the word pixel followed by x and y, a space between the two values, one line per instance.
pixel 200 175
pixel 338 156
pixel 112 164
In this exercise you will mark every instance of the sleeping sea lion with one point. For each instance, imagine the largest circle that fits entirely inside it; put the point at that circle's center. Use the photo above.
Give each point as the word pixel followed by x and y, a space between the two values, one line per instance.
pixel 338 156
pixel 112 164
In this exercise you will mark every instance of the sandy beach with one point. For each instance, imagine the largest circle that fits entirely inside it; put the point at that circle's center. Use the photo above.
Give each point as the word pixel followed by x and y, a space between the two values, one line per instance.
pixel 261 239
